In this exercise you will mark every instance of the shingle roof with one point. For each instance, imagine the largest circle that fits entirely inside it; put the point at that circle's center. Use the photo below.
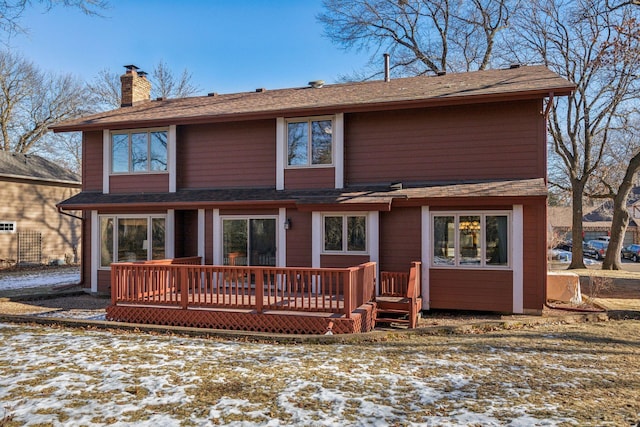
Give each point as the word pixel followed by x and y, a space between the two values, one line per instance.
pixel 525 82
pixel 28 166
pixel 382 197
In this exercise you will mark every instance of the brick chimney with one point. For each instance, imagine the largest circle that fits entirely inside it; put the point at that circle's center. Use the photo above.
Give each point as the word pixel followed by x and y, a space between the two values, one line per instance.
pixel 135 86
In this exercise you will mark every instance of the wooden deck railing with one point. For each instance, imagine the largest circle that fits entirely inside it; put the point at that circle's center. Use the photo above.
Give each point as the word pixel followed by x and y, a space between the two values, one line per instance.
pixel 393 283
pixel 401 284
pixel 187 285
pixel 404 288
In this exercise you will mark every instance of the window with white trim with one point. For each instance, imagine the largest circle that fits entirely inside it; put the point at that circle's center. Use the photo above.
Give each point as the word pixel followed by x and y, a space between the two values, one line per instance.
pixel 139 151
pixel 7 226
pixel 131 238
pixel 310 142
pixel 344 233
pixel 474 240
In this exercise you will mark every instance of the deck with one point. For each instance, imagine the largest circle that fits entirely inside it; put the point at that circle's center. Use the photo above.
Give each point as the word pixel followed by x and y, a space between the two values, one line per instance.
pixel 181 292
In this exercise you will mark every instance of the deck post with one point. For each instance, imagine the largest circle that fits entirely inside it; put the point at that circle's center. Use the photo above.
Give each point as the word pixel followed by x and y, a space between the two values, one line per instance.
pixel 114 285
pixel 259 290
pixel 347 292
pixel 184 288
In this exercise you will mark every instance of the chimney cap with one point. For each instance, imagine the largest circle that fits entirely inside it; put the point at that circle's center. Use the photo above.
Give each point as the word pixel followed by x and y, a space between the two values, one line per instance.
pixel 316 84
pixel 261 89
pixel 131 67
pixel 441 73
pixel 142 73
pixel 515 65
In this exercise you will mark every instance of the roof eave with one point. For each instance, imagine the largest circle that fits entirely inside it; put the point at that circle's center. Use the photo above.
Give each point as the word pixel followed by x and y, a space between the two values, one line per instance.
pixel 39 179
pixel 324 109
pixel 177 205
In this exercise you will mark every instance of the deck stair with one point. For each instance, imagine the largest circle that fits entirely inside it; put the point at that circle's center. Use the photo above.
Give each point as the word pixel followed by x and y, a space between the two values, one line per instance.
pixel 398 301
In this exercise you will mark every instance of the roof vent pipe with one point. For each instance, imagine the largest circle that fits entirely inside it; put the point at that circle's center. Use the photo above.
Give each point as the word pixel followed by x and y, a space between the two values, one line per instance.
pixel 387 76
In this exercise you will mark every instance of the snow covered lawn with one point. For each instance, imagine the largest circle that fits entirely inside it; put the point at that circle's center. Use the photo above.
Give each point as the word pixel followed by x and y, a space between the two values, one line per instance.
pixel 583 374
pixel 39 277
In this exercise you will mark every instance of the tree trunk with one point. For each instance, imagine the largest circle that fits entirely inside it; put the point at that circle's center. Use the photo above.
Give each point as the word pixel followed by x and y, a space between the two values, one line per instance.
pixel 577 189
pixel 618 228
pixel 620 218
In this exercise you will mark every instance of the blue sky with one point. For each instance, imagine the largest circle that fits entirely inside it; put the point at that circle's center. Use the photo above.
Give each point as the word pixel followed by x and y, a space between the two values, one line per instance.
pixel 228 46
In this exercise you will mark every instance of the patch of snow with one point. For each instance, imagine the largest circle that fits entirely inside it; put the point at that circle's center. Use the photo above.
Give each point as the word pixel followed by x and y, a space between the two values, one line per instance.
pixel 34 279
pixel 85 377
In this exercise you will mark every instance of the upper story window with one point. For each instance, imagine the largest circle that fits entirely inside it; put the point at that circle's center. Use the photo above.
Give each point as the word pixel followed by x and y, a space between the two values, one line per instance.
pixel 470 240
pixel 345 233
pixel 139 151
pixel 310 142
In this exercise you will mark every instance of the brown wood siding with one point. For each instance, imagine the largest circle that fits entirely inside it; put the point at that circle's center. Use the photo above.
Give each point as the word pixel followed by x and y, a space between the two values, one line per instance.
pixel 32 206
pixel 342 261
pixel 484 141
pixel 299 239
pixel 140 183
pixel 535 260
pixel 92 161
pixel 190 233
pixel 309 178
pixel 227 155
pixel 104 282
pixel 483 290
pixel 400 239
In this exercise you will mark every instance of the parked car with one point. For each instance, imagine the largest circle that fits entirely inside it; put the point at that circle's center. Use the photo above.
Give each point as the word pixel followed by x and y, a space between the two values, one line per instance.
pixel 600 248
pixel 603 238
pixel 565 245
pixel 631 252
pixel 562 256
pixel 589 251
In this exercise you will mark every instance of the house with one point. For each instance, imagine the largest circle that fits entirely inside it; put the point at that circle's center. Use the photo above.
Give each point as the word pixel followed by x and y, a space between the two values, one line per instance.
pixel 448 170
pixel 596 221
pixel 31 229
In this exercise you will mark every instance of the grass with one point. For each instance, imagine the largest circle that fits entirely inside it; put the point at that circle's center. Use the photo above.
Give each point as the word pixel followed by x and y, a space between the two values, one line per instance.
pixel 584 374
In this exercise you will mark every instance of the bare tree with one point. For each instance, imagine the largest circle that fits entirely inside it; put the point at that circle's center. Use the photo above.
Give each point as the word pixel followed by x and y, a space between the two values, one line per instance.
pixel 63 148
pixel 32 100
pixel 581 40
pixel 105 88
pixel 618 4
pixel 424 36
pixel 165 85
pixel 11 11
pixel 615 182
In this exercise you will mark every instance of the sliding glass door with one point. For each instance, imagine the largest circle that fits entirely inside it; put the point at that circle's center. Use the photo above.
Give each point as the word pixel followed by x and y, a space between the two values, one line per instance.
pixel 249 241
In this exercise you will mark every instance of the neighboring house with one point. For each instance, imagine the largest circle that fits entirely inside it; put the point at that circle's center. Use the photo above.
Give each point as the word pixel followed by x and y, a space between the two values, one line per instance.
pixel 448 170
pixel 32 231
pixel 596 220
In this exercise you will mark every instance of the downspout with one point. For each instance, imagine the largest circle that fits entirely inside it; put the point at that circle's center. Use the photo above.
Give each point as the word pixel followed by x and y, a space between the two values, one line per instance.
pixel 61 212
pixel 68 214
pixel 547 110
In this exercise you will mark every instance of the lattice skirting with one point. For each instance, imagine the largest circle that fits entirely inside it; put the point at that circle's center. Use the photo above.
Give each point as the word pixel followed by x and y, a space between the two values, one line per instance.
pixel 362 320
